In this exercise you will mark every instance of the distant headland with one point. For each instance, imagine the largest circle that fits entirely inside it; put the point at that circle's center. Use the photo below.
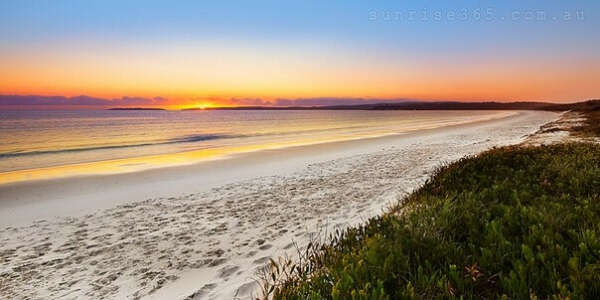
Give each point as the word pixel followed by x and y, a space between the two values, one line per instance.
pixel 420 105
pixel 135 108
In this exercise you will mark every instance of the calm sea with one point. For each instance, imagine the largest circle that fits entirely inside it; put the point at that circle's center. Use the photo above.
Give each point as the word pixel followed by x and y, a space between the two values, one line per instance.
pixel 42 139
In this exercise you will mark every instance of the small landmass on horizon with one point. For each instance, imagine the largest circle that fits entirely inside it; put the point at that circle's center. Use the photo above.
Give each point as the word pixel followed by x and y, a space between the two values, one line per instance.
pixel 135 108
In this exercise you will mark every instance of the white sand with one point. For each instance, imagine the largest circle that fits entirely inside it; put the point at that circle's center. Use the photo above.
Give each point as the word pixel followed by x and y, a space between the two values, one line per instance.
pixel 559 131
pixel 205 229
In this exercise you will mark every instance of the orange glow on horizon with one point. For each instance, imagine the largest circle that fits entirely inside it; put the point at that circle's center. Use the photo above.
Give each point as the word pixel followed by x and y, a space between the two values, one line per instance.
pixel 200 105
pixel 192 80
pixel 190 63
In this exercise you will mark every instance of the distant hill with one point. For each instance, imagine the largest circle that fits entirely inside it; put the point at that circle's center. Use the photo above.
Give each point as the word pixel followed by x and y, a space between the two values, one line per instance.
pixel 441 105
pixel 135 108
pixel 590 105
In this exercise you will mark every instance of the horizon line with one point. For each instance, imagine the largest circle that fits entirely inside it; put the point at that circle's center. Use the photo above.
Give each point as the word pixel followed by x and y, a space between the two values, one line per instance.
pixel 85 102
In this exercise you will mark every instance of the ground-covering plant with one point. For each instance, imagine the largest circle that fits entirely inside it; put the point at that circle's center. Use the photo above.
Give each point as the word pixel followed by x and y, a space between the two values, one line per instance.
pixel 513 222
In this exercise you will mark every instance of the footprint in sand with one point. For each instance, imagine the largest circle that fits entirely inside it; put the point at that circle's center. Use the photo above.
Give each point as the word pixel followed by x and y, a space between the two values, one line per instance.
pixel 227 271
pixel 246 289
pixel 217 262
pixel 265 247
pixel 262 260
pixel 202 292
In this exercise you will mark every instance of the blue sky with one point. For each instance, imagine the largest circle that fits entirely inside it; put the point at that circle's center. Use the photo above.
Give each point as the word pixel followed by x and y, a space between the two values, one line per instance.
pixel 406 35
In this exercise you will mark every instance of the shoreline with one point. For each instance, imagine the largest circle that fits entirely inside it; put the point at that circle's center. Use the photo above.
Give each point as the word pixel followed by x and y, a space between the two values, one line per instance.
pixel 134 164
pixel 60 197
pixel 209 233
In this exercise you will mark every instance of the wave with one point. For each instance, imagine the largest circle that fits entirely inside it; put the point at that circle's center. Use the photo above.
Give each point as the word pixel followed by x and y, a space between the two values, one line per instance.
pixel 202 137
pixel 178 140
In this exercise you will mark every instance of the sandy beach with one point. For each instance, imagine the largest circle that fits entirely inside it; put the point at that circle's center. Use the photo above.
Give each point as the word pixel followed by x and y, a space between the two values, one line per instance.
pixel 202 231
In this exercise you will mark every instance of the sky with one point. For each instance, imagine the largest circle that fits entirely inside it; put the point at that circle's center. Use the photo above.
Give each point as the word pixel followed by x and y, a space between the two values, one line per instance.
pixel 221 53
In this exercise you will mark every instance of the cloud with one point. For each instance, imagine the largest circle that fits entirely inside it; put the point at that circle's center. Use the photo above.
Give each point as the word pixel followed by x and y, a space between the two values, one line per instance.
pixel 250 101
pixel 63 102
pixel 232 101
pixel 129 101
pixel 318 101
pixel 77 101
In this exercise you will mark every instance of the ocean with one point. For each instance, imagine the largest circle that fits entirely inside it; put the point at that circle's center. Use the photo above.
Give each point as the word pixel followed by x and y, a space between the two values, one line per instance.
pixel 46 144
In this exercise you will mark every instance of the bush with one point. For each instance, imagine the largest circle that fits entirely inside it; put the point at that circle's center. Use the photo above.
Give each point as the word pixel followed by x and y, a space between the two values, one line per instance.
pixel 509 223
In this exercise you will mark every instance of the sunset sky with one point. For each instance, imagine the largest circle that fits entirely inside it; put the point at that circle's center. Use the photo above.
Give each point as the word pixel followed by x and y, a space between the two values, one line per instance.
pixel 196 53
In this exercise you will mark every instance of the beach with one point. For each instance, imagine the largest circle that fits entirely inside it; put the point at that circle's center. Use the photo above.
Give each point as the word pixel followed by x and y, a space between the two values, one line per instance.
pixel 204 230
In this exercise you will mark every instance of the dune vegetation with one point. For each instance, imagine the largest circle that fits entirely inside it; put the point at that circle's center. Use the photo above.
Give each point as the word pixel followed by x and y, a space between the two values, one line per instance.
pixel 591 125
pixel 513 222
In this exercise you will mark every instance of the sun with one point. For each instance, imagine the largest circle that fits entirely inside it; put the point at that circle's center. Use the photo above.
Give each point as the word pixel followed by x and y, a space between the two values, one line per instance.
pixel 200 105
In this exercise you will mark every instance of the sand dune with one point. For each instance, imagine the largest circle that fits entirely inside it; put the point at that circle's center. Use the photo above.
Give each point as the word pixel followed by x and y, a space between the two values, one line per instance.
pixel 208 244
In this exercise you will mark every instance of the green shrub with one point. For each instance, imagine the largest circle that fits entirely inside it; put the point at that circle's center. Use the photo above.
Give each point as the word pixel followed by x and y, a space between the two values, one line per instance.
pixel 511 223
